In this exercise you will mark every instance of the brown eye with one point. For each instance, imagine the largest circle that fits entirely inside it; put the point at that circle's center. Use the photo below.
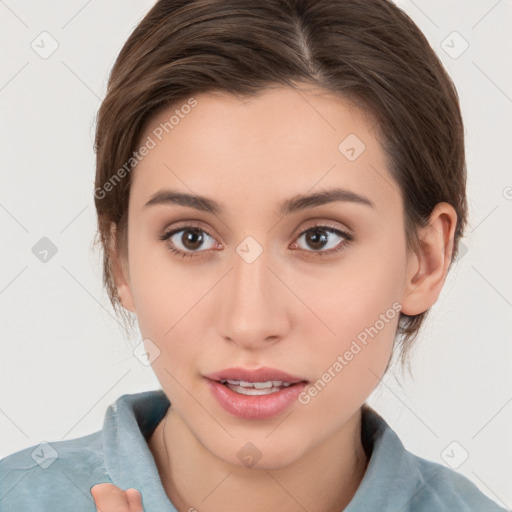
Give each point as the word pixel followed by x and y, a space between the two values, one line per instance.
pixel 324 239
pixel 188 240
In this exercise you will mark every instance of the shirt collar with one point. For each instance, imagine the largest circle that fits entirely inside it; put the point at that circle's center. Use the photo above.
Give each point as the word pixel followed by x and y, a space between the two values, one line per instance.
pixel 388 484
pixel 392 477
pixel 128 459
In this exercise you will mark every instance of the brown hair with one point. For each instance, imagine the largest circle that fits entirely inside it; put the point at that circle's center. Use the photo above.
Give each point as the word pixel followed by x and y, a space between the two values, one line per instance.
pixel 366 51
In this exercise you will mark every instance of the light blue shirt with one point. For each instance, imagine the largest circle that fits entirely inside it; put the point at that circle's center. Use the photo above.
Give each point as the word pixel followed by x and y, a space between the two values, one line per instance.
pixel 57 476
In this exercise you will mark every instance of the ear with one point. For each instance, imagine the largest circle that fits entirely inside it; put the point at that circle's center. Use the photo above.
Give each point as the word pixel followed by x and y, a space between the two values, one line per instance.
pixel 119 265
pixel 428 266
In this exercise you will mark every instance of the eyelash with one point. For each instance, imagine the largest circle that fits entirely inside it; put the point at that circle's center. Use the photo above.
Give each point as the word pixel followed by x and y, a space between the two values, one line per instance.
pixel 348 238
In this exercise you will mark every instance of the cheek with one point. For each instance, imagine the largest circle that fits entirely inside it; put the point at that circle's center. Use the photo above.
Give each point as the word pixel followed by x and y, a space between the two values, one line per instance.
pixel 164 288
pixel 174 306
pixel 352 297
pixel 350 363
pixel 359 305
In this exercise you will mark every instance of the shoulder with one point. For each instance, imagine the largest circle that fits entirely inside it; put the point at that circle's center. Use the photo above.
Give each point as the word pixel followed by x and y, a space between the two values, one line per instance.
pixel 58 475
pixel 53 475
pixel 396 479
pixel 443 489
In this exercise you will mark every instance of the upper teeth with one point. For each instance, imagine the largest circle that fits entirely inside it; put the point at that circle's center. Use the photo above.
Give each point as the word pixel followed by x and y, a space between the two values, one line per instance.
pixel 257 385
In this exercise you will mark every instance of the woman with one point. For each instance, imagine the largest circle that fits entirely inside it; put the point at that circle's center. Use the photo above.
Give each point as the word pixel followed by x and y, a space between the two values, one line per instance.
pixel 280 190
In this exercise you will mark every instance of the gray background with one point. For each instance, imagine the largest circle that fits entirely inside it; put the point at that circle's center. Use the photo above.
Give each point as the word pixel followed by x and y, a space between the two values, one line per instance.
pixel 64 358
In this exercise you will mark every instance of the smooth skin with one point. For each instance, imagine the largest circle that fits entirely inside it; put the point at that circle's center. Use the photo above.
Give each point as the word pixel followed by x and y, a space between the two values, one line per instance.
pixel 290 308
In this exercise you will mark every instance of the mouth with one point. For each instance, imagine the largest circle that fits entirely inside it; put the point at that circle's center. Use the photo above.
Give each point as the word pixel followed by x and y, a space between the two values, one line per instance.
pixel 259 394
pixel 262 381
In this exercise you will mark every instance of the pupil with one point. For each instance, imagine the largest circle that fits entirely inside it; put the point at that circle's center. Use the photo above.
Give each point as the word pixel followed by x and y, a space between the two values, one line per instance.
pixel 317 241
pixel 192 239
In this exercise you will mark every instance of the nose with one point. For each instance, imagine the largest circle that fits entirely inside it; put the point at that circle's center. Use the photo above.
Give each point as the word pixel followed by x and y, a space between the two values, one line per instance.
pixel 253 310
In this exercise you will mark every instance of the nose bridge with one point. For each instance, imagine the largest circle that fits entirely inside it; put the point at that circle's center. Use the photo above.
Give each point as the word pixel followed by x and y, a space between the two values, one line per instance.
pixel 252 312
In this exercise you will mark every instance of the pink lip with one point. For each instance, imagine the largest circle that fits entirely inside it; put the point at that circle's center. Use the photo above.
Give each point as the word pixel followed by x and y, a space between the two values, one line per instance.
pixel 255 407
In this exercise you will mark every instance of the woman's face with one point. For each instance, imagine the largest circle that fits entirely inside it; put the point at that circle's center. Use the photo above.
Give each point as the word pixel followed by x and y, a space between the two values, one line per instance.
pixel 259 280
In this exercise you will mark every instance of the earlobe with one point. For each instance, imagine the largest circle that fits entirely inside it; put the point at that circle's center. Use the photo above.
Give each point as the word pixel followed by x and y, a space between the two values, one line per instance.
pixel 428 265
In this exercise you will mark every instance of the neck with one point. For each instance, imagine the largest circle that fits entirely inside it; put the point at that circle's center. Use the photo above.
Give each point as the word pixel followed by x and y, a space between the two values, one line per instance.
pixel 324 480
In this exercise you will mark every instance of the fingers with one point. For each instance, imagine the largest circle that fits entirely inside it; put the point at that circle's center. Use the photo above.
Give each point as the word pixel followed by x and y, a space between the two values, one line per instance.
pixel 134 500
pixel 109 498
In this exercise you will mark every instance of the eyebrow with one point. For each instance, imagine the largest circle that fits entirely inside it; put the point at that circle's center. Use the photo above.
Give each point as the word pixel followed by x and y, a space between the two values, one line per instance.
pixel 294 204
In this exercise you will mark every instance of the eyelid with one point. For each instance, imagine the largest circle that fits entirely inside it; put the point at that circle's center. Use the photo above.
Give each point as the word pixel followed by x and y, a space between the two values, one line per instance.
pixel 318 223
pixel 183 225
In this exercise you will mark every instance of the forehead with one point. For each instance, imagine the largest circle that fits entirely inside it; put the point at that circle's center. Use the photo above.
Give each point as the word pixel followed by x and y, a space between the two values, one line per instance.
pixel 280 142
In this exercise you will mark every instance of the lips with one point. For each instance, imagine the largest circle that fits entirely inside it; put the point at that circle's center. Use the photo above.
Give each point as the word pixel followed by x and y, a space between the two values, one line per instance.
pixel 255 394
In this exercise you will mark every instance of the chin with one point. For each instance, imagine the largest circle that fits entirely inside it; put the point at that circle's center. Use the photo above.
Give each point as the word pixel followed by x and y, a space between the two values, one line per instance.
pixel 263 454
